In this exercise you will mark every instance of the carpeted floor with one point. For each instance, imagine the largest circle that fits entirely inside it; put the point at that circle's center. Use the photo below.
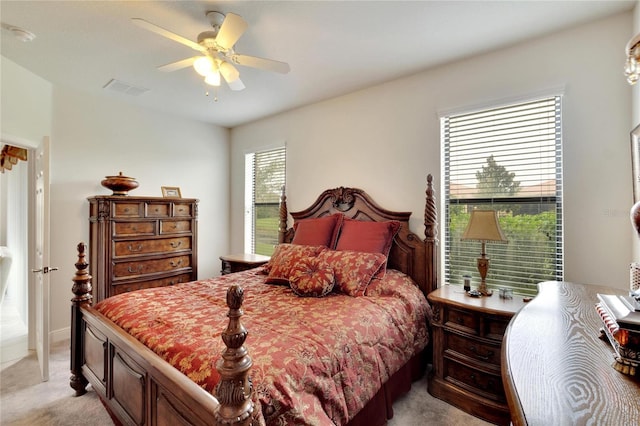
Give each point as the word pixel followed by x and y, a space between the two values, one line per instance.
pixel 26 400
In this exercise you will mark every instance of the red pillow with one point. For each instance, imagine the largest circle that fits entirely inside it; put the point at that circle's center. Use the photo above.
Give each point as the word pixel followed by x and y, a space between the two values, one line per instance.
pixel 321 231
pixel 285 257
pixel 311 278
pixel 370 237
pixel 353 271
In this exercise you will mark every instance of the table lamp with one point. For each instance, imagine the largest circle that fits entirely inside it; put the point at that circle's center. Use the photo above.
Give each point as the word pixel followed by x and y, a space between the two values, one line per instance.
pixel 483 226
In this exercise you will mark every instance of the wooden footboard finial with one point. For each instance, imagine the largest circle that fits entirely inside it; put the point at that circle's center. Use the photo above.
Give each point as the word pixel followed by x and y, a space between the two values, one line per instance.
pixel 235 388
pixel 82 296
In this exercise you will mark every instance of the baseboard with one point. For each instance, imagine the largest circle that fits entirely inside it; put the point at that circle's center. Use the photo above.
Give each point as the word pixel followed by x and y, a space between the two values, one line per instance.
pixel 60 335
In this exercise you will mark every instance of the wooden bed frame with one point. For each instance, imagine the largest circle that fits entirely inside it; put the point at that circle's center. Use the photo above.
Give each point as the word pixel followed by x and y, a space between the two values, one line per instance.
pixel 138 387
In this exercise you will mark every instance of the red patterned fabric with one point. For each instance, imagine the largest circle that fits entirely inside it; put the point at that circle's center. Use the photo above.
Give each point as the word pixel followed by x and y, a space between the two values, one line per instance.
pixel 353 270
pixel 285 257
pixel 311 278
pixel 372 237
pixel 318 231
pixel 316 361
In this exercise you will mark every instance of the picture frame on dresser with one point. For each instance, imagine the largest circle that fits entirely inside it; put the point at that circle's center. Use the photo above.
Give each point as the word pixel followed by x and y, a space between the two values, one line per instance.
pixel 635 162
pixel 171 192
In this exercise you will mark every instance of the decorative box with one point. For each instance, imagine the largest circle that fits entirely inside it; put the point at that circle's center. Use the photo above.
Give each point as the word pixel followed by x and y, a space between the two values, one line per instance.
pixel 621 318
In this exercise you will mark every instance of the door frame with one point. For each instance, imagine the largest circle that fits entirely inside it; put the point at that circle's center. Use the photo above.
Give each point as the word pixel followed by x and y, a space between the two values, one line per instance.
pixel 31 146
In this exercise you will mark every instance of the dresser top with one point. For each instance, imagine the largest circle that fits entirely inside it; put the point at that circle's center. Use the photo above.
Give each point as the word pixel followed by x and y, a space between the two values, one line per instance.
pixel 557 370
pixel 140 199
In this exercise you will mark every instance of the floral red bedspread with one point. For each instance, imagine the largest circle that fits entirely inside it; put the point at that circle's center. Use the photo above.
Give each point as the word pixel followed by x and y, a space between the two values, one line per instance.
pixel 316 361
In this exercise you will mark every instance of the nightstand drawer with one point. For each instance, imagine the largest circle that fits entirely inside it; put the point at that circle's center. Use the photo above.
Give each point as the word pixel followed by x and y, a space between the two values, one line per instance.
pixel 485 384
pixel 462 320
pixel 474 349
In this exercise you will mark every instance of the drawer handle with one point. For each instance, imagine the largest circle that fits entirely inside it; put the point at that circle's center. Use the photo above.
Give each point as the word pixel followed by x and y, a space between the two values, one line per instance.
pixel 486 357
pixel 176 244
pixel 126 209
pixel 132 271
pixel 491 384
pixel 131 249
pixel 175 264
pixel 460 320
pixel 134 228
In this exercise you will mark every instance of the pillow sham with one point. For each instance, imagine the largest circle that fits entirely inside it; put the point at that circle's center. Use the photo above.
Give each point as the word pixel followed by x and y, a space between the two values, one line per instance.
pixel 321 231
pixel 284 258
pixel 365 236
pixel 352 270
pixel 311 278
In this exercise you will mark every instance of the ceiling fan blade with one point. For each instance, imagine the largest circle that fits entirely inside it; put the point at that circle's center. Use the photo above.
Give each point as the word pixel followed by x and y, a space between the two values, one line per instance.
pixel 236 85
pixel 265 64
pixel 168 34
pixel 230 31
pixel 231 76
pixel 229 72
pixel 178 65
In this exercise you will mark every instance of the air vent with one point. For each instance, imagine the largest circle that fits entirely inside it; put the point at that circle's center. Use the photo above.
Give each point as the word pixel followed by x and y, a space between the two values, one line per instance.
pixel 126 88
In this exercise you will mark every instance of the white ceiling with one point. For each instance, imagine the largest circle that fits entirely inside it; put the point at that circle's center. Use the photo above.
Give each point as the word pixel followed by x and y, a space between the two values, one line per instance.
pixel 333 47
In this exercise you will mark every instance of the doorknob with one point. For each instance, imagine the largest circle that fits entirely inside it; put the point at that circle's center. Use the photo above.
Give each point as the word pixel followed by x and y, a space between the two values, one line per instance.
pixel 46 269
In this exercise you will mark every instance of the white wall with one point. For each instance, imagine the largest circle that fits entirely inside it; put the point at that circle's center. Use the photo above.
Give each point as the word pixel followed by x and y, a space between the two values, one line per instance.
pixel 386 139
pixel 92 137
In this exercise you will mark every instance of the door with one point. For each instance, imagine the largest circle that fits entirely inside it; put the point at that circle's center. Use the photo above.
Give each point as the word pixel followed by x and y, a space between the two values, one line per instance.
pixel 42 268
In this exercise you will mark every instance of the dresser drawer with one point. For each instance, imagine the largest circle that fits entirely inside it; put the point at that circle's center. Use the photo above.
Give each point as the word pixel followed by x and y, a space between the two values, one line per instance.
pixel 126 210
pixel 145 267
pixel 183 210
pixel 157 209
pixel 131 229
pixel 162 282
pixel 474 349
pixel 477 381
pixel 165 245
pixel 462 320
pixel 175 226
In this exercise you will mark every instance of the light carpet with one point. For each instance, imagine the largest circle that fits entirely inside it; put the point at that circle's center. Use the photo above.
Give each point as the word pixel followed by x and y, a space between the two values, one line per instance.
pixel 26 400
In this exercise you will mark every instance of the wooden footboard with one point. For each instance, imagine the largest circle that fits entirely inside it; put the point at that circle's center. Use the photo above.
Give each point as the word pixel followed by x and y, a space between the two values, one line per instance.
pixel 140 388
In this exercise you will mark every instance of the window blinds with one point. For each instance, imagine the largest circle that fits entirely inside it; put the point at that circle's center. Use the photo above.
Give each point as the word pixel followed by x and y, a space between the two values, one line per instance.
pixel 268 180
pixel 507 159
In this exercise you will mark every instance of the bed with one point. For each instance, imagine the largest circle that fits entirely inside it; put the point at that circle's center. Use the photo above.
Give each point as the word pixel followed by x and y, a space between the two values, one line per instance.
pixel 311 352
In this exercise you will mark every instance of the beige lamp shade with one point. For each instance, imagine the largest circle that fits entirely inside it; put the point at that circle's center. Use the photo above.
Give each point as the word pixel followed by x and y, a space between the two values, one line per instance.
pixel 484 226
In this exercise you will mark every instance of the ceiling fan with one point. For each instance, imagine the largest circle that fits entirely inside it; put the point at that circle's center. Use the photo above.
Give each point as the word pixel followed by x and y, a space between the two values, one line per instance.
pixel 217 55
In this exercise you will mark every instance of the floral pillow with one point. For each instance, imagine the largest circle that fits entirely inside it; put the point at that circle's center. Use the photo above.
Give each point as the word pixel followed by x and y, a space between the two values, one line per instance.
pixel 285 257
pixel 353 270
pixel 311 278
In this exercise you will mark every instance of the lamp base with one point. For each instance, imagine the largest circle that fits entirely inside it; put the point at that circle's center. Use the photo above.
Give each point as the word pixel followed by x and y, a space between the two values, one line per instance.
pixel 484 290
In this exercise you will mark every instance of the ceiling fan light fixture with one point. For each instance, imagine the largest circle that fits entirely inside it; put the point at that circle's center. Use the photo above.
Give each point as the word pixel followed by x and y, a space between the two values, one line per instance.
pixel 213 79
pixel 203 65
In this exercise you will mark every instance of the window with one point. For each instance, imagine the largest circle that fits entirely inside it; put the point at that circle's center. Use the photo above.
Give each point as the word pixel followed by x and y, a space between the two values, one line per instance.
pixel 264 180
pixel 507 159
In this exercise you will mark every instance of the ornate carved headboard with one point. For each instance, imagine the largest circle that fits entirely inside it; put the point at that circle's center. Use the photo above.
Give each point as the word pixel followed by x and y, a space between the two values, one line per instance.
pixel 411 254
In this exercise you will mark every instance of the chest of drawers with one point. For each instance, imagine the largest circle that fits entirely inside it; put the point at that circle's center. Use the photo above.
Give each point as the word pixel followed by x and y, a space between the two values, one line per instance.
pixel 141 242
pixel 467 350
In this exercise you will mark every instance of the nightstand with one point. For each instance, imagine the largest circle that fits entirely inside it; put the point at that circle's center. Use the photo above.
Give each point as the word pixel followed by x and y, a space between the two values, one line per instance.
pixel 241 262
pixel 467 350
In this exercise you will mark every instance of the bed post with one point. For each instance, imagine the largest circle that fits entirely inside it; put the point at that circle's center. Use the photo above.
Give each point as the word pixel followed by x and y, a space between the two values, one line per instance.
pixel 234 389
pixel 431 234
pixel 283 215
pixel 82 296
